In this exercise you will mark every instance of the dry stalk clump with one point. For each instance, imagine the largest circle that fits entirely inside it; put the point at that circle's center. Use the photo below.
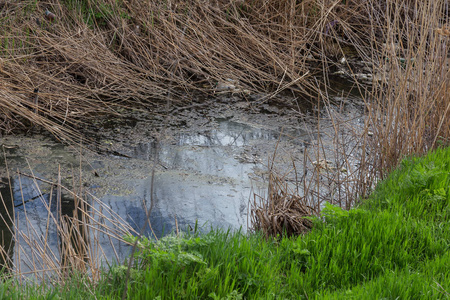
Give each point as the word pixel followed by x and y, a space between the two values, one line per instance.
pixel 282 213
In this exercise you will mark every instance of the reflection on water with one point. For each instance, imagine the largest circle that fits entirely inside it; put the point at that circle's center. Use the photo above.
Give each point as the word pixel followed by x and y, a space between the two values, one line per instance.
pixel 228 133
pixel 196 176
pixel 202 178
pixel 34 221
pixel 199 179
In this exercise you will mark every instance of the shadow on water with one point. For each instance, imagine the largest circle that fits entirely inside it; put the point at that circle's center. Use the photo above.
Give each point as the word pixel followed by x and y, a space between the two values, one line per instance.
pixel 52 218
pixel 6 225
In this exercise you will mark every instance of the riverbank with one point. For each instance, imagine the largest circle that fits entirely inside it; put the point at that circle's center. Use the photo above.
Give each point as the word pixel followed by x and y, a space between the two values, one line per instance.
pixel 91 67
pixel 393 245
pixel 71 74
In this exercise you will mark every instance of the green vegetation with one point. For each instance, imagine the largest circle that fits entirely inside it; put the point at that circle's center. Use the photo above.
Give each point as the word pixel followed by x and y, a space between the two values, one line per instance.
pixel 100 58
pixel 395 245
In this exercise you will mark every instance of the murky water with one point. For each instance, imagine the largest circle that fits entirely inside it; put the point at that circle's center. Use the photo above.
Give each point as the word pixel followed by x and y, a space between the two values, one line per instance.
pixel 203 177
pixel 199 177
pixel 189 175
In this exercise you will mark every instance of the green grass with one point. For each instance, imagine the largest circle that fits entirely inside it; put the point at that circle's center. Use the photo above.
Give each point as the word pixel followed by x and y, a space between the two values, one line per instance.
pixel 394 246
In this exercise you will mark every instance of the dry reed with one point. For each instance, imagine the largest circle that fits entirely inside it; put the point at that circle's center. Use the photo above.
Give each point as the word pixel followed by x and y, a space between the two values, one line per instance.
pixel 101 56
pixel 282 213
pixel 407 109
pixel 70 239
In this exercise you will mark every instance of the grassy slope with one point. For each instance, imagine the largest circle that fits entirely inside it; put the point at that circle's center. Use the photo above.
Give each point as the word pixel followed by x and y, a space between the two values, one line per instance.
pixel 395 245
pixel 416 199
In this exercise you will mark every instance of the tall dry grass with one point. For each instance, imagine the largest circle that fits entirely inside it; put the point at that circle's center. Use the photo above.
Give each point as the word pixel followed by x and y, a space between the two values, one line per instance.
pixel 406 112
pixel 409 108
pixel 78 236
pixel 101 56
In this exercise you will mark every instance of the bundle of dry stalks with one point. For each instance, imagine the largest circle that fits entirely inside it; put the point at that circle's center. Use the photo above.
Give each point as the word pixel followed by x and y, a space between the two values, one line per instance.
pixel 283 212
pixel 335 170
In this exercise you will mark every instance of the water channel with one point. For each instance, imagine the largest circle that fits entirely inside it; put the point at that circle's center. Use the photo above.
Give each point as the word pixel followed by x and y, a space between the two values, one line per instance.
pixel 202 168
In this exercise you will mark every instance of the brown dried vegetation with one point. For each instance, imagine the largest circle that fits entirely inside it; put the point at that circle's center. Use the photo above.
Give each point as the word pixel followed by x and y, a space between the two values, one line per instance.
pixel 283 212
pixel 407 112
pixel 99 57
